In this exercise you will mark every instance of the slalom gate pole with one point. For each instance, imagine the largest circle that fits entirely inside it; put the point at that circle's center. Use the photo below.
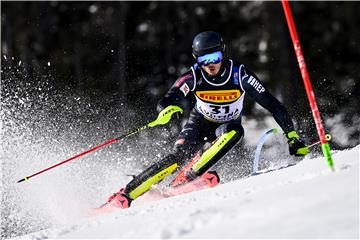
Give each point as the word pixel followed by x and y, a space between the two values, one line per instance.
pixel 308 87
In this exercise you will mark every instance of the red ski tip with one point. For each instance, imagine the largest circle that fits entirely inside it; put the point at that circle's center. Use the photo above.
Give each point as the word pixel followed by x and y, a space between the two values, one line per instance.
pixel 212 178
pixel 120 201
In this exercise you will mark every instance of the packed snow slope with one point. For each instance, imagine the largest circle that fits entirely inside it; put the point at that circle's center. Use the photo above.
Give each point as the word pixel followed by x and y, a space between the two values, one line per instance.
pixel 303 201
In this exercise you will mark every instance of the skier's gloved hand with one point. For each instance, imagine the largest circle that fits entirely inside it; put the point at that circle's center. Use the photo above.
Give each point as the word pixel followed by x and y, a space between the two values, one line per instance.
pixel 165 115
pixel 296 146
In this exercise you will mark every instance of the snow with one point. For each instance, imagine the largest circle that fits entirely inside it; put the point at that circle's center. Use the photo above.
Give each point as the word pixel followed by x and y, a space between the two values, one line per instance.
pixel 302 201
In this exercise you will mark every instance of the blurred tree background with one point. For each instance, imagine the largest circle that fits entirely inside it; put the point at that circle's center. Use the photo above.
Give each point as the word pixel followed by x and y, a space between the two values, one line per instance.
pixel 136 50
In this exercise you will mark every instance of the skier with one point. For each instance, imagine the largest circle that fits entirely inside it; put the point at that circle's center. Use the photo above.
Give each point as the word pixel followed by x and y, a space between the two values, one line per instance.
pixel 215 87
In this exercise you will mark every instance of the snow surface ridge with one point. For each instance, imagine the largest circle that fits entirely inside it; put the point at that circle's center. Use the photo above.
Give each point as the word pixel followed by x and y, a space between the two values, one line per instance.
pixel 303 201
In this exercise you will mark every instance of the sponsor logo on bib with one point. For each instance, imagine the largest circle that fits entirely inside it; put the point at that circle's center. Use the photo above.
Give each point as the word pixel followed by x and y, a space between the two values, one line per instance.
pixel 219 96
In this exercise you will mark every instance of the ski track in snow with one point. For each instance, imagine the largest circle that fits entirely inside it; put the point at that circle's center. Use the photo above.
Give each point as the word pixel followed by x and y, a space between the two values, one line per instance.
pixel 302 201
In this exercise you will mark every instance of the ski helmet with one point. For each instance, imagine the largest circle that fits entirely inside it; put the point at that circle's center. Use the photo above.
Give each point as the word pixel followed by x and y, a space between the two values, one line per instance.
pixel 207 42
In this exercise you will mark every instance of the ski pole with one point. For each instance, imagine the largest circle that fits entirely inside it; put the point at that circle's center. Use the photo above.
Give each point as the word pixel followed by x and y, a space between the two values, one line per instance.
pixel 327 136
pixel 163 118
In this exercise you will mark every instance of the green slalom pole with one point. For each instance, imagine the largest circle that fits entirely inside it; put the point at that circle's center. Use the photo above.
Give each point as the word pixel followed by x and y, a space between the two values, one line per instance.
pixel 326 151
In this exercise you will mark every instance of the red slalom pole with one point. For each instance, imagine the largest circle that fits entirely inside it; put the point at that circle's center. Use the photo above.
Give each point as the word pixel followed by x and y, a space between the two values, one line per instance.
pixel 308 87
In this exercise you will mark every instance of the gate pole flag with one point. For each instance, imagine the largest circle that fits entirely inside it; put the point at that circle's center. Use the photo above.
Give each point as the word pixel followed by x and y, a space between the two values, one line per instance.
pixel 308 87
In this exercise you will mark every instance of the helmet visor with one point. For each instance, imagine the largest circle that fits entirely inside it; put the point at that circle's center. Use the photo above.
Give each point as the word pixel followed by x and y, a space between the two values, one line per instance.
pixel 207 59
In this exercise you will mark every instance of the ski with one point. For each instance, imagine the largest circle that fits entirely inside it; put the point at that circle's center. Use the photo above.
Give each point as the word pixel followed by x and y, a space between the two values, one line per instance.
pixel 207 180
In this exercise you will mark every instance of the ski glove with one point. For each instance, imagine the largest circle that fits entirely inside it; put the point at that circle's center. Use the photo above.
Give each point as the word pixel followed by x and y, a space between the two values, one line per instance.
pixel 165 115
pixel 296 146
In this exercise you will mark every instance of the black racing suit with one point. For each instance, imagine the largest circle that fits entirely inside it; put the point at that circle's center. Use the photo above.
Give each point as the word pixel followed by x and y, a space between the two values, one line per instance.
pixel 216 104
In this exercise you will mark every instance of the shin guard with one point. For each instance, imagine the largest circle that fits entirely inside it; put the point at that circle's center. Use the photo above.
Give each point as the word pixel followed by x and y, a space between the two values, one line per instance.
pixel 212 155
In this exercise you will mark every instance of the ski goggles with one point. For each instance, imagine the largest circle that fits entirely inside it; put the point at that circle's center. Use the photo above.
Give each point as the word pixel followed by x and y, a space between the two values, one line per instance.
pixel 207 59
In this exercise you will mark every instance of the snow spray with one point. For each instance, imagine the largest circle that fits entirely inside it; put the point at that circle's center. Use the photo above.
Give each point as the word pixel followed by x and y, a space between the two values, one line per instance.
pixel 41 124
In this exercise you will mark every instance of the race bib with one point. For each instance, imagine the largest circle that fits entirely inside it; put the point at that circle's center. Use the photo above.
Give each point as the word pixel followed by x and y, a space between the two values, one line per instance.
pixel 220 113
